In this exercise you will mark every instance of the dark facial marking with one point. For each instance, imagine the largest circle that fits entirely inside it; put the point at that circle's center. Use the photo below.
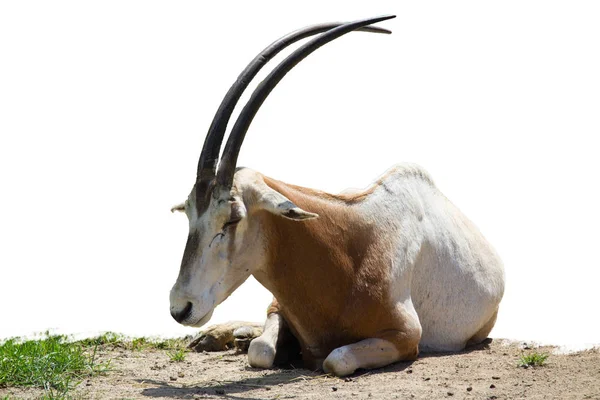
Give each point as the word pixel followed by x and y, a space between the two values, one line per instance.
pixel 203 192
pixel 230 224
pixel 191 248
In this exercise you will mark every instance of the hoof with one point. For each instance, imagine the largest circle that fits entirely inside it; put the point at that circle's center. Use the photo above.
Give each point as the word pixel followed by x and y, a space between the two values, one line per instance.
pixel 261 354
pixel 340 363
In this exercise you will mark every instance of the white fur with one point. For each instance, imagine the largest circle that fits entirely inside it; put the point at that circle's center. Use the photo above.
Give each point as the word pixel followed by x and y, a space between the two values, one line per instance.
pixel 224 260
pixel 262 350
pixel 444 275
pixel 368 353
pixel 443 270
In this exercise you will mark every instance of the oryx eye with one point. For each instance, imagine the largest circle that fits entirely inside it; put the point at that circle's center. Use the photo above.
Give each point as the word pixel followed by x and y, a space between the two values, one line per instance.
pixel 231 223
pixel 237 213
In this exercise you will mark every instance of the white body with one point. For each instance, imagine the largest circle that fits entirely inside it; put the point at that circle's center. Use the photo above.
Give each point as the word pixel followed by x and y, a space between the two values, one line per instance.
pixel 361 279
pixel 441 264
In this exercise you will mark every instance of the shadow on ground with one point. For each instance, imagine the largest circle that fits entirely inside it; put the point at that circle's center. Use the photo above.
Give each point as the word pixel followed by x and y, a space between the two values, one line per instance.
pixel 275 378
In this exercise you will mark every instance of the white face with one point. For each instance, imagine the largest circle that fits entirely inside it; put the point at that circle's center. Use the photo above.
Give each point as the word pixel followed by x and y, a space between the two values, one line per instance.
pixel 225 244
pixel 213 264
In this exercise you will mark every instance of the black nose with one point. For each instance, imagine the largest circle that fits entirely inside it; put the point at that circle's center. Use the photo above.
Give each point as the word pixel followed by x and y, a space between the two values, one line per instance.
pixel 183 314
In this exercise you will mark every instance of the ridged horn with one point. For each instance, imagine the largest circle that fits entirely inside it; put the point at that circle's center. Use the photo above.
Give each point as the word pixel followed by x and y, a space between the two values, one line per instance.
pixel 238 133
pixel 207 165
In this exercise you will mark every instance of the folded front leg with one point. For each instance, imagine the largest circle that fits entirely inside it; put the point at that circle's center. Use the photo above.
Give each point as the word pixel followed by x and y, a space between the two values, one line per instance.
pixel 277 345
pixel 261 353
pixel 370 353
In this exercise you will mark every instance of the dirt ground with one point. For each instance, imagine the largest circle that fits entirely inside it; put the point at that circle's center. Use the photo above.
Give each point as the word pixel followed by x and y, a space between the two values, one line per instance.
pixel 489 372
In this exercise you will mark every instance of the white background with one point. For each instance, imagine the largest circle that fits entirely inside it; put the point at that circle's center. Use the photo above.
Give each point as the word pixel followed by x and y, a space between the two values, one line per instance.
pixel 104 107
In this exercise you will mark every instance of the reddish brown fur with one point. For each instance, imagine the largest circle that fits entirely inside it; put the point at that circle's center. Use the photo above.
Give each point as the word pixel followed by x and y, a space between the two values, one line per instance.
pixel 329 277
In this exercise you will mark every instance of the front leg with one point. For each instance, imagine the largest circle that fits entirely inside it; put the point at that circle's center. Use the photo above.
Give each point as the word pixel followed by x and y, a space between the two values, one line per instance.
pixel 372 353
pixel 276 345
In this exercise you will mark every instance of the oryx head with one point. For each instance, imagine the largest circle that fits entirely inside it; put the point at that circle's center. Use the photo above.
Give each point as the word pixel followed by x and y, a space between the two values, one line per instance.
pixel 223 245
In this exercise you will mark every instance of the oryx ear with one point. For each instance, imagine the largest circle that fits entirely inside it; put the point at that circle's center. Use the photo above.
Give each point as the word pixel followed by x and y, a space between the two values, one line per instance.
pixel 275 202
pixel 289 210
pixel 178 207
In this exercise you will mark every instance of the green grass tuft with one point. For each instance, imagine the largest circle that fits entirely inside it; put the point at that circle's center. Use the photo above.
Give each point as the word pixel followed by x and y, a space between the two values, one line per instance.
pixel 57 364
pixel 52 363
pixel 170 344
pixel 106 339
pixel 112 340
pixel 533 359
pixel 177 355
pixel 144 343
pixel 139 344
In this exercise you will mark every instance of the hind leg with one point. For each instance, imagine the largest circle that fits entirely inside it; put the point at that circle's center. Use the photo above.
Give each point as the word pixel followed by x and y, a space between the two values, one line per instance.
pixel 483 333
pixel 371 353
pixel 223 336
pixel 389 346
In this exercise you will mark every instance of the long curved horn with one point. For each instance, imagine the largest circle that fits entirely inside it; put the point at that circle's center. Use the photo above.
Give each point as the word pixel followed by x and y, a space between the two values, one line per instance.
pixel 207 165
pixel 236 138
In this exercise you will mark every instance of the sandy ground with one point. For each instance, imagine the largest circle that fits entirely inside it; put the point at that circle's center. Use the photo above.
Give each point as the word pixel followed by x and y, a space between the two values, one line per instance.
pixel 489 372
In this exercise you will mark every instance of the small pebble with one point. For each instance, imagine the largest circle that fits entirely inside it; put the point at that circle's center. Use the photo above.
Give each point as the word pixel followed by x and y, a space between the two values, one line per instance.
pixel 173 378
pixel 492 386
pixel 450 394
pixel 495 377
pixel 334 389
pixel 469 388
pixel 180 374
pixel 409 371
pixel 348 380
pixel 426 379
